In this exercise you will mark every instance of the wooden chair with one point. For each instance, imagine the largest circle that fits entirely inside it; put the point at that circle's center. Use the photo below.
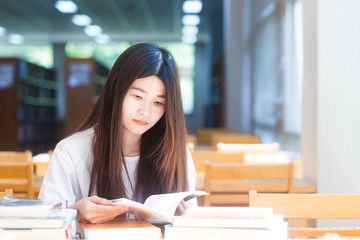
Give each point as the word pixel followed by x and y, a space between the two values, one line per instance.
pixel 230 183
pixel 200 156
pixel 41 163
pixel 191 142
pixel 250 149
pixel 17 173
pixel 7 192
pixel 312 206
pixel 235 138
pixel 204 135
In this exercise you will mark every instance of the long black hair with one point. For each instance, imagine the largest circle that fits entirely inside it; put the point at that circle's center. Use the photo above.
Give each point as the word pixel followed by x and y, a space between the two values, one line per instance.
pixel 162 166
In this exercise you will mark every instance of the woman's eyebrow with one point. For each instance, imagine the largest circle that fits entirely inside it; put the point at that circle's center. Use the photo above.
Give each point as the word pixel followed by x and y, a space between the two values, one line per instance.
pixel 142 90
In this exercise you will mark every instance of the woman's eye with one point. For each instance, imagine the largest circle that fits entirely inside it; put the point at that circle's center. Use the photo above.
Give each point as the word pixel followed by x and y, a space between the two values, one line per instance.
pixel 159 103
pixel 137 96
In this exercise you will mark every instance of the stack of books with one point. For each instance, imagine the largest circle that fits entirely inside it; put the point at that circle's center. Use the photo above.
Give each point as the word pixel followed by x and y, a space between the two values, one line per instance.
pixel 33 219
pixel 222 223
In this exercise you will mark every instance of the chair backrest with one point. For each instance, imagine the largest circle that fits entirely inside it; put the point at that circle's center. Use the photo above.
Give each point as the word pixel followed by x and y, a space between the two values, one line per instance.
pixel 205 135
pixel 250 149
pixel 235 180
pixel 231 177
pixel 200 156
pixel 41 162
pixel 237 138
pixel 311 206
pixel 17 172
pixel 191 142
pixel 7 192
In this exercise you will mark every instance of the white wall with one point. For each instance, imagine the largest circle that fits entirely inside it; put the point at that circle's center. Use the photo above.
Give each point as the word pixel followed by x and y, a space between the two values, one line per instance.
pixel 331 106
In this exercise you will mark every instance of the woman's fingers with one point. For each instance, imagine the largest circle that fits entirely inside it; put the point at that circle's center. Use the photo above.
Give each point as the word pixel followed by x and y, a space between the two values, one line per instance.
pixel 99 200
pixel 96 210
pixel 181 209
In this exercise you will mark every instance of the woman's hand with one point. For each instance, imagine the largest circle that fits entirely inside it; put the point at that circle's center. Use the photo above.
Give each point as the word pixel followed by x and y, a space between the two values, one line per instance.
pixel 97 210
pixel 181 209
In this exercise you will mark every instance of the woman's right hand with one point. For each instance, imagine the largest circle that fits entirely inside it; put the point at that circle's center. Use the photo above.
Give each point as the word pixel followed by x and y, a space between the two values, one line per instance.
pixel 97 210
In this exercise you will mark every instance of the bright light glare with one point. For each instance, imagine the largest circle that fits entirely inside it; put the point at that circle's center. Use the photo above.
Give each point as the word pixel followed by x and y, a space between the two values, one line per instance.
pixel 81 20
pixel 93 30
pixel 192 6
pixel 189 39
pixel 190 30
pixel 16 39
pixel 2 31
pixel 66 6
pixel 102 39
pixel 191 20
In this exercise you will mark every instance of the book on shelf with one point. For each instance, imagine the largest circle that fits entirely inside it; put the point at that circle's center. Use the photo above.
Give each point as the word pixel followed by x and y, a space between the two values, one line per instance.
pixel 121 229
pixel 158 208
pixel 28 208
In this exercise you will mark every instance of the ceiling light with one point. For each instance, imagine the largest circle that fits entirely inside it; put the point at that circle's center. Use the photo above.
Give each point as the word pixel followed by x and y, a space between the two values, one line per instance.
pixel 16 39
pixel 102 39
pixel 66 6
pixel 81 20
pixel 189 39
pixel 93 30
pixel 190 30
pixel 191 20
pixel 192 6
pixel 2 31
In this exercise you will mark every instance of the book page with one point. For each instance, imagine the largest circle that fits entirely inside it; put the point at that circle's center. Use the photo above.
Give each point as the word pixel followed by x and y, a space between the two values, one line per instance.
pixel 159 208
pixel 147 213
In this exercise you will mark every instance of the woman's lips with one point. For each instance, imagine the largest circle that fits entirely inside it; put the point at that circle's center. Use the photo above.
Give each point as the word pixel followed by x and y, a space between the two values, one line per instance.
pixel 140 123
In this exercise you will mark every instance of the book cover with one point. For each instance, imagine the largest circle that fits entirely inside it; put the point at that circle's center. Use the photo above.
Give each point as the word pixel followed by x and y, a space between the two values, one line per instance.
pixel 14 207
pixel 199 233
pixel 58 219
pixel 121 229
pixel 158 208
pixel 229 212
pixel 267 223
pixel 38 234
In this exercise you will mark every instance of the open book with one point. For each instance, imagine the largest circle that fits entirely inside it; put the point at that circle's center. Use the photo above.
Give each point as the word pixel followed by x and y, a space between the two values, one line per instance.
pixel 158 208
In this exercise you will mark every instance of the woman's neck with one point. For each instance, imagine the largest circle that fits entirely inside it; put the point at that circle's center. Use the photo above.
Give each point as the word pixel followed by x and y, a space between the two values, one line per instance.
pixel 131 145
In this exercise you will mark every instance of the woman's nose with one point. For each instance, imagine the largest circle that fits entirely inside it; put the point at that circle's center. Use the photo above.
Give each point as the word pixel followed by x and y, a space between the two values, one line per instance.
pixel 145 110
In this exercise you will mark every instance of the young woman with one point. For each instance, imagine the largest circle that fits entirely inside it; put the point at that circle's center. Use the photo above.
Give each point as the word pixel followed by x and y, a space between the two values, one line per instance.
pixel 132 143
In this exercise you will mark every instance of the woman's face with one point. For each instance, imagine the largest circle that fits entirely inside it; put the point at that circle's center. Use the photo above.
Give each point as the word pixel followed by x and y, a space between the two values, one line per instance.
pixel 144 105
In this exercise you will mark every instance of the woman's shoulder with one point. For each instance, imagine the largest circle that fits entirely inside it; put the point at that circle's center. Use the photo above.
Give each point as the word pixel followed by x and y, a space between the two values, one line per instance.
pixel 78 139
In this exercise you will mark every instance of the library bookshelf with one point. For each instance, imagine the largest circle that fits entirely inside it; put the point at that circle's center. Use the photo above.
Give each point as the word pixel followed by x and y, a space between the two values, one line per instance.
pixel 84 79
pixel 28 106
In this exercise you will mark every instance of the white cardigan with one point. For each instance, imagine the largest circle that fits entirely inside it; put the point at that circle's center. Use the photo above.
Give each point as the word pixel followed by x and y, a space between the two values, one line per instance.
pixel 68 174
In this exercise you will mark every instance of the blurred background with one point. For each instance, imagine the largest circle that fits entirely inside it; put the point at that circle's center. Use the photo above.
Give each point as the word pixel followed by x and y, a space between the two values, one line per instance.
pixel 78 41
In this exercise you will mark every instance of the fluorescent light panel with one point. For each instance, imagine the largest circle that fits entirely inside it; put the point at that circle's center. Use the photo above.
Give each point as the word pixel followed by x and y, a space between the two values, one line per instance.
pixel 102 39
pixel 189 39
pixel 66 6
pixel 93 30
pixel 2 31
pixel 81 20
pixel 16 39
pixel 191 20
pixel 192 6
pixel 190 30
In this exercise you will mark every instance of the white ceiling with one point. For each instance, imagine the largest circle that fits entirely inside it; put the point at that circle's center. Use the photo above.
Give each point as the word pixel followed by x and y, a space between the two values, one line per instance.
pixel 122 20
